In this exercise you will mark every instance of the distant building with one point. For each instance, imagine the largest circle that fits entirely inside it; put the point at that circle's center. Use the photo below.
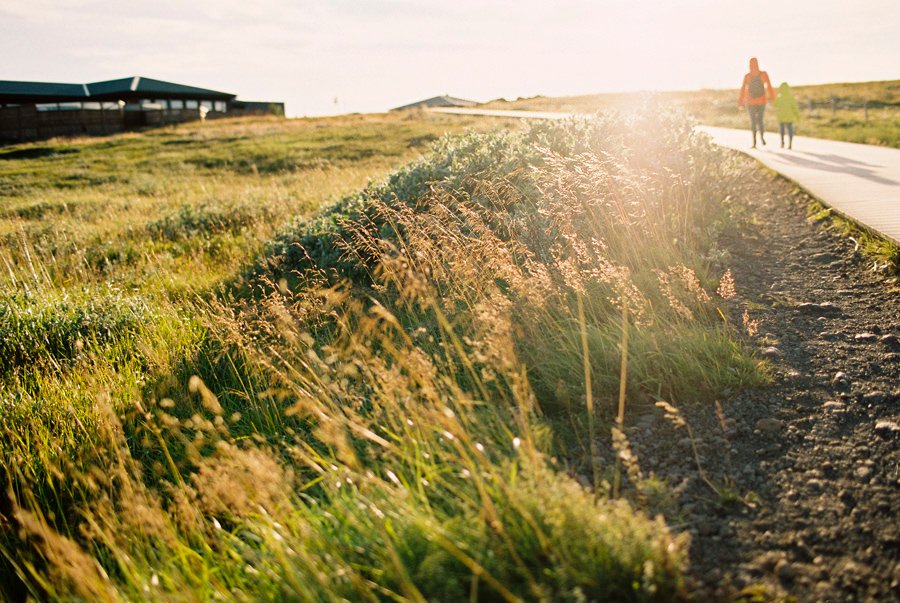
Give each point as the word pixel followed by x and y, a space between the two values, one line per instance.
pixel 437 101
pixel 34 110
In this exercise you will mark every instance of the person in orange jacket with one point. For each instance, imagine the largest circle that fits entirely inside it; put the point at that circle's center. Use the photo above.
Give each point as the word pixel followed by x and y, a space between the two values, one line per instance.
pixel 753 94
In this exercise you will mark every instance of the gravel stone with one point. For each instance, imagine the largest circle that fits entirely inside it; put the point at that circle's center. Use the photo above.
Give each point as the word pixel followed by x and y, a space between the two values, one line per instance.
pixel 819 309
pixel 770 352
pixel 887 428
pixel 769 425
pixel 816 485
pixel 872 397
pixel 785 571
pixel 890 340
pixel 840 380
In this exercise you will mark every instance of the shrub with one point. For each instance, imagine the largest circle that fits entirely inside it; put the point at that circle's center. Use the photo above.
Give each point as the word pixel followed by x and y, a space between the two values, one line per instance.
pixel 55 330
pixel 455 163
pixel 205 220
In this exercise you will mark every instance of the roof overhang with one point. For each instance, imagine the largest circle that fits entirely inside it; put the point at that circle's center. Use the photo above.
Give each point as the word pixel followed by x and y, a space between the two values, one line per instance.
pixel 125 89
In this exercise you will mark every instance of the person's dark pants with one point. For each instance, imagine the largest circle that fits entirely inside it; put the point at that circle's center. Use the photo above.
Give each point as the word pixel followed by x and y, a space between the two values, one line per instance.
pixel 756 121
pixel 790 132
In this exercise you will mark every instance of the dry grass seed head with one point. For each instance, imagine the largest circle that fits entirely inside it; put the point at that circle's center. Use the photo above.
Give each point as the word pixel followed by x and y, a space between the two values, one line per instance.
pixel 672 414
pixel 726 288
pixel 665 286
pixel 690 282
pixel 68 562
pixel 751 326
pixel 623 450
pixel 207 397
pixel 236 482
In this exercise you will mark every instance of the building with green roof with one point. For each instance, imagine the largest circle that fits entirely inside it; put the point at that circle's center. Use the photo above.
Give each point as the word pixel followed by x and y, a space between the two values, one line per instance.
pixel 33 110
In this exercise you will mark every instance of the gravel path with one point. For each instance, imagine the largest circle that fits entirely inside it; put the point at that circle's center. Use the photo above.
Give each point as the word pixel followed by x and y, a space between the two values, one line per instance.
pixel 808 469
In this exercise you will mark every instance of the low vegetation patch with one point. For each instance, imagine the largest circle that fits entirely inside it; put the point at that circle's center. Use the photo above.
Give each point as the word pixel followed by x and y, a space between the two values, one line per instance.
pixel 52 331
pixel 374 411
pixel 884 252
pixel 207 219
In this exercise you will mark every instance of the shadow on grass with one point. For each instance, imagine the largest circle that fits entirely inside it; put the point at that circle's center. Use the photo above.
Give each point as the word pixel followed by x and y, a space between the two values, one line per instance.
pixel 36 153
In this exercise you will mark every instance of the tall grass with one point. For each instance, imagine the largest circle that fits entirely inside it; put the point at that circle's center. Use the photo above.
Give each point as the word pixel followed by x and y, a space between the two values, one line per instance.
pixel 607 213
pixel 377 412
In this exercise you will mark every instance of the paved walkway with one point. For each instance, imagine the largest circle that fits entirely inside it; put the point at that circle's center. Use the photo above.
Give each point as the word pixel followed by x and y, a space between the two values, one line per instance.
pixel 860 181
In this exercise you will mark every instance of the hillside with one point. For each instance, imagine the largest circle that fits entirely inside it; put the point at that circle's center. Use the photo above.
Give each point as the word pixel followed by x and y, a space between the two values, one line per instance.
pixel 422 357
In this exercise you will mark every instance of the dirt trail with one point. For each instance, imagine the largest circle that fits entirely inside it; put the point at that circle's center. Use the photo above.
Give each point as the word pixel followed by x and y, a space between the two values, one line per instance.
pixel 808 469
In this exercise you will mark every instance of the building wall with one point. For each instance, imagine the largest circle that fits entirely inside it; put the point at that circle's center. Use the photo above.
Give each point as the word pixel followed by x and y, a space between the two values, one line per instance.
pixel 25 122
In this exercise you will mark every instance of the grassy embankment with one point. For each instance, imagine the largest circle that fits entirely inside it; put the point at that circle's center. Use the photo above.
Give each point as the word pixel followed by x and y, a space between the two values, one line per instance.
pixel 719 108
pixel 391 402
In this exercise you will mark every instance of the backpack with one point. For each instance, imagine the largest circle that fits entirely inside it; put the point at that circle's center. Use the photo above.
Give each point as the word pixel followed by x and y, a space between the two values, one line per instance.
pixel 755 87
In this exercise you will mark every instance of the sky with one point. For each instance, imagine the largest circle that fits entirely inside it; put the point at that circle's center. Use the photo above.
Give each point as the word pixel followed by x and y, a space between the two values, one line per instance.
pixel 339 56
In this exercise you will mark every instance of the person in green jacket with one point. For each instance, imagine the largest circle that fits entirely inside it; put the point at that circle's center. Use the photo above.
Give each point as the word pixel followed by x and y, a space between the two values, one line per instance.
pixel 787 111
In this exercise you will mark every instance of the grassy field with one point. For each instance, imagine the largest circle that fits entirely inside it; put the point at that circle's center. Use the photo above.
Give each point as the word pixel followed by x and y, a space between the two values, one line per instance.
pixel 849 121
pixel 355 358
pixel 176 211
